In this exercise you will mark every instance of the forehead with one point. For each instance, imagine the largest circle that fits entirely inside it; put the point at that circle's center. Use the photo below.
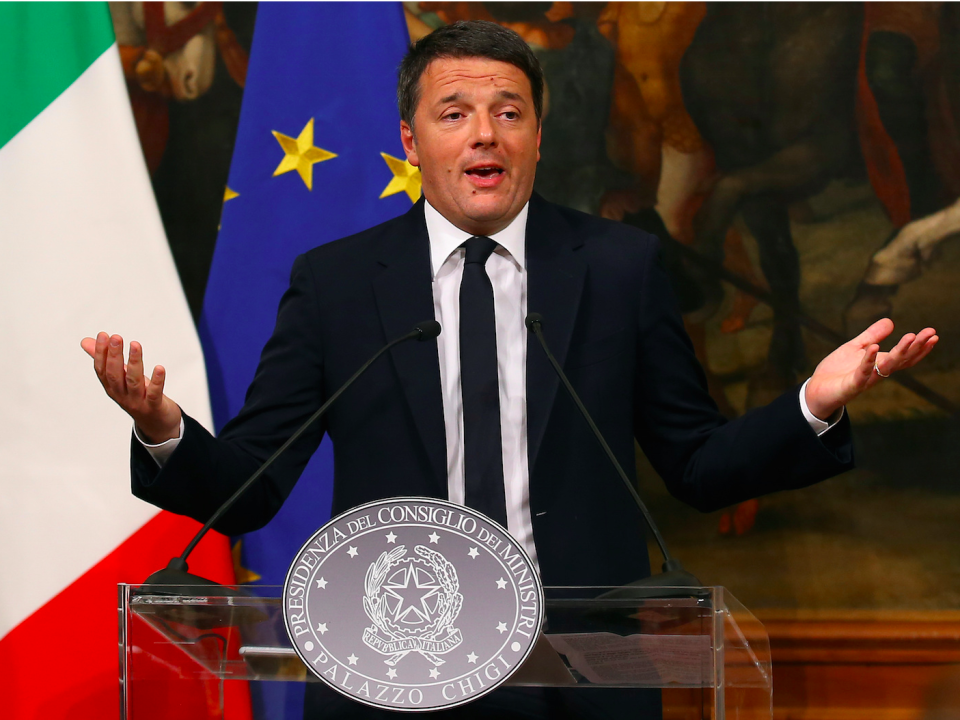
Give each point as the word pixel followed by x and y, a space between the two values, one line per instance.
pixel 471 76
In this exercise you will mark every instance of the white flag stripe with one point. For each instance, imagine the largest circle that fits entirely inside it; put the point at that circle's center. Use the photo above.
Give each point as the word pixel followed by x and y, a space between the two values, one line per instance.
pixel 82 249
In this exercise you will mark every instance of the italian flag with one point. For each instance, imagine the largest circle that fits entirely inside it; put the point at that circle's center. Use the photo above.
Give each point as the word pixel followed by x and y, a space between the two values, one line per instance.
pixel 82 249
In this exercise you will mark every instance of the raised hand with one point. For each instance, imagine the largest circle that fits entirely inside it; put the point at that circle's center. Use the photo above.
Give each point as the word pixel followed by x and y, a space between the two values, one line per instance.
pixel 858 365
pixel 157 416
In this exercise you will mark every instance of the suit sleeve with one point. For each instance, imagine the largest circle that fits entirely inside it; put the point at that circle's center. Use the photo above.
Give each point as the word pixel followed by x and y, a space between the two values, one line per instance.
pixel 287 388
pixel 705 460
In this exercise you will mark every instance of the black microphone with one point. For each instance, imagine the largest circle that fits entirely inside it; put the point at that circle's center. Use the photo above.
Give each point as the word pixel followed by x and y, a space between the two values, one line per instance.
pixel 673 574
pixel 176 575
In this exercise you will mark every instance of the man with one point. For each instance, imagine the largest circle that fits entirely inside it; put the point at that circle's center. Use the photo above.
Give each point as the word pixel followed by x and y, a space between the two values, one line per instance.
pixel 479 418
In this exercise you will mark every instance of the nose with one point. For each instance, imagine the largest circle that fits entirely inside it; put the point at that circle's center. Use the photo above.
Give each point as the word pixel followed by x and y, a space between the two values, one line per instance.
pixel 485 134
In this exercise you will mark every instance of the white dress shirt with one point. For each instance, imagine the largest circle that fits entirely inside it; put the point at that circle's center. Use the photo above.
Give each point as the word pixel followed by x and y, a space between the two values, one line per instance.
pixel 508 274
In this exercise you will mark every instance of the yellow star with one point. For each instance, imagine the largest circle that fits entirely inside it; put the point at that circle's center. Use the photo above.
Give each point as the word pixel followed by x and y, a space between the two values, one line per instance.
pixel 406 178
pixel 242 574
pixel 300 154
pixel 229 194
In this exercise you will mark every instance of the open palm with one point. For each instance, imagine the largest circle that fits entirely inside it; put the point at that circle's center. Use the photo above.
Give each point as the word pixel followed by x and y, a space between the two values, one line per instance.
pixel 858 365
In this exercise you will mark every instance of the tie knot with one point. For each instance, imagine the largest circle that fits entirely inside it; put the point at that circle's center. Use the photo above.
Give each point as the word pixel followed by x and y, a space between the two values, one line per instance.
pixel 478 249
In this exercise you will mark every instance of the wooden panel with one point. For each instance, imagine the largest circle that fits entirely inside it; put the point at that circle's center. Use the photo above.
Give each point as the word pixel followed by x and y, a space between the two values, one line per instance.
pixel 858 665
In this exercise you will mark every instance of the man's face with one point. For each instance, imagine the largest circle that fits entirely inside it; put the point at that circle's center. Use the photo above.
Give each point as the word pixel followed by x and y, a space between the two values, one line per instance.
pixel 477 141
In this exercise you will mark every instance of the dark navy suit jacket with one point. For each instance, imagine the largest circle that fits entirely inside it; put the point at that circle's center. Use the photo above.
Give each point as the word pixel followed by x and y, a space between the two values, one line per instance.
pixel 611 320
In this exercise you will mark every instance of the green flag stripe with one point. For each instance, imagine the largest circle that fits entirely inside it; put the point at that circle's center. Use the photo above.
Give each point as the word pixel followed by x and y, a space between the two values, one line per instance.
pixel 44 47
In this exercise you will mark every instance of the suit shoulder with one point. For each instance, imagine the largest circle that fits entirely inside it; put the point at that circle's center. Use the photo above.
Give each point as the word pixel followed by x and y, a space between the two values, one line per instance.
pixel 359 245
pixel 603 235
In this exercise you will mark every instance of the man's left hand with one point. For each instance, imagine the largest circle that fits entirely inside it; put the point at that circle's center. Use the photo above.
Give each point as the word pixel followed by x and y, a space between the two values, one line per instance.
pixel 858 365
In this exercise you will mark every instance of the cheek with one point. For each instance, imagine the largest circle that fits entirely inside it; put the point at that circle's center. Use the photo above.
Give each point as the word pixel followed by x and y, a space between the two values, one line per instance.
pixel 438 162
pixel 528 158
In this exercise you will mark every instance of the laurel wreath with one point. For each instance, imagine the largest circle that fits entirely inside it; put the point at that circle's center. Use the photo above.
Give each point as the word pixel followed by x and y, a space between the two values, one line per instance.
pixel 448 605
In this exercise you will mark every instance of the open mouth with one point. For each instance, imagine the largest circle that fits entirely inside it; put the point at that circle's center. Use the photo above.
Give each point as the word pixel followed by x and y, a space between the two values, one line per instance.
pixel 485 171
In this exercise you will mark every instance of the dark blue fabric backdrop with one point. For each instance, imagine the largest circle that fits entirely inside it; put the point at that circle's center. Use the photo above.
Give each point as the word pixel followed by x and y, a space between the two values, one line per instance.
pixel 335 63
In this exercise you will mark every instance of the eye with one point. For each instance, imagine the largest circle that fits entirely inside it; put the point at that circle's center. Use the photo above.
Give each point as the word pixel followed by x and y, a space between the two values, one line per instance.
pixel 453 116
pixel 510 115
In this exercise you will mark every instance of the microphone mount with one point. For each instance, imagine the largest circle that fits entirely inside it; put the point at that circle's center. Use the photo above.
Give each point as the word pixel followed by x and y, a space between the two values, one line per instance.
pixel 673 573
pixel 175 577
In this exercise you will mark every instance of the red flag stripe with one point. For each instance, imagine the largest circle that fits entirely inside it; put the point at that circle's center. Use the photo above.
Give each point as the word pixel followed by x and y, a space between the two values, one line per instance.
pixel 62 662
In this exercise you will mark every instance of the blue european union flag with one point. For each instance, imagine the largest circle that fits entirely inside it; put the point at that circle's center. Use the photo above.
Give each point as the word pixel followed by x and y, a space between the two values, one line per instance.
pixel 317 157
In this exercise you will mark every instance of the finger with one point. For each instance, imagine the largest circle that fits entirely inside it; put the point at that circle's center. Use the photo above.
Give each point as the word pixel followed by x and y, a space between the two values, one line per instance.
pixel 923 337
pixel 925 334
pixel 894 360
pixel 114 366
pixel 100 356
pixel 912 353
pixel 882 366
pixel 895 357
pixel 875 333
pixel 919 340
pixel 154 394
pixel 89 346
pixel 917 349
pixel 135 368
pixel 923 352
pixel 865 373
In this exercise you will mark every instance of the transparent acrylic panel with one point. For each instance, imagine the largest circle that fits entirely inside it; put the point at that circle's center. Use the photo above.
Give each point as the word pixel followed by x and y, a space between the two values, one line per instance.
pixel 700 646
pixel 747 668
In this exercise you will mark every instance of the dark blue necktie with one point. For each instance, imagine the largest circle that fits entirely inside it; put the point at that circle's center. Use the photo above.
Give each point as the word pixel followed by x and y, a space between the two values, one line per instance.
pixel 480 386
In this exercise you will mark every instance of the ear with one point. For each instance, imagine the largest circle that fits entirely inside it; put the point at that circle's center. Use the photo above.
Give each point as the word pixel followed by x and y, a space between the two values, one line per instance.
pixel 539 133
pixel 409 144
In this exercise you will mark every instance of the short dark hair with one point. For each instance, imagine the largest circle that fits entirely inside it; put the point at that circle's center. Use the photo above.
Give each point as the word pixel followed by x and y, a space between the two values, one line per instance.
pixel 466 39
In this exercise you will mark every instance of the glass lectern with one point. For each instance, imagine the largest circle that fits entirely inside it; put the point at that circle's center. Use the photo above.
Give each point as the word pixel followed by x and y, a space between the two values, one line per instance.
pixel 706 653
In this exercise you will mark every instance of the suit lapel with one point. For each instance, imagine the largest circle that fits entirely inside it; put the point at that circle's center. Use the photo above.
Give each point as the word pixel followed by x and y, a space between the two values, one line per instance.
pixel 404 296
pixel 555 277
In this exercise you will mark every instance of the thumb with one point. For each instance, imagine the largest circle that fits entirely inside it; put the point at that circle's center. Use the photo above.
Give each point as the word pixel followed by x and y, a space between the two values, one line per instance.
pixel 89 346
pixel 875 333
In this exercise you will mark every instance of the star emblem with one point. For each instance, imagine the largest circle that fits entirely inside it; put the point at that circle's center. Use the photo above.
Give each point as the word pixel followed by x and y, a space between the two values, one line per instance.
pixel 501 584
pixel 411 596
pixel 243 575
pixel 472 657
pixel 322 628
pixel 352 551
pixel 433 537
pixel 392 673
pixel 502 627
pixel 300 154
pixel 322 584
pixel 406 178
pixel 434 673
pixel 229 194
pixel 391 537
pixel 352 659
pixel 473 552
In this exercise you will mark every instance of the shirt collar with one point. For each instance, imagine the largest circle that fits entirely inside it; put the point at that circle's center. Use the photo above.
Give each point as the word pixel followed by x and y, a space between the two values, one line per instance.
pixel 445 237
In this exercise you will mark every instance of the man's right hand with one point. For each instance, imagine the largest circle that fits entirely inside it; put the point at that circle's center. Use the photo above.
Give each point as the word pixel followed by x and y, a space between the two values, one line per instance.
pixel 157 416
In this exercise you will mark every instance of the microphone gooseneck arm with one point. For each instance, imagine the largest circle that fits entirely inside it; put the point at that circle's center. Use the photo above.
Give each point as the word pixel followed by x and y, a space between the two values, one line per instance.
pixel 534 323
pixel 422 331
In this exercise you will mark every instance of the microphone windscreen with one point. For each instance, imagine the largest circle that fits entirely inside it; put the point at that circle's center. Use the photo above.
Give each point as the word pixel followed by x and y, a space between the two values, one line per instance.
pixel 533 319
pixel 428 329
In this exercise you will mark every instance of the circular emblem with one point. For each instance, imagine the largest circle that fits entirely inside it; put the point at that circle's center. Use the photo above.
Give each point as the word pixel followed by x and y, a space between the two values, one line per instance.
pixel 412 604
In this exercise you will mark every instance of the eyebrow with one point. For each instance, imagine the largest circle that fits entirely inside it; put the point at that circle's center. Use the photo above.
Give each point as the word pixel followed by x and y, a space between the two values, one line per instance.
pixel 503 94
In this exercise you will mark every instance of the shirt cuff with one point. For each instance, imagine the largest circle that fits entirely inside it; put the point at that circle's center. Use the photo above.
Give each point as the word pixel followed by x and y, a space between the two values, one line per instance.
pixel 816 424
pixel 160 452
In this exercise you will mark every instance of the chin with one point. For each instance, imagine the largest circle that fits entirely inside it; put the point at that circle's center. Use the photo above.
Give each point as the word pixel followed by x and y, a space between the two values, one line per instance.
pixel 489 211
